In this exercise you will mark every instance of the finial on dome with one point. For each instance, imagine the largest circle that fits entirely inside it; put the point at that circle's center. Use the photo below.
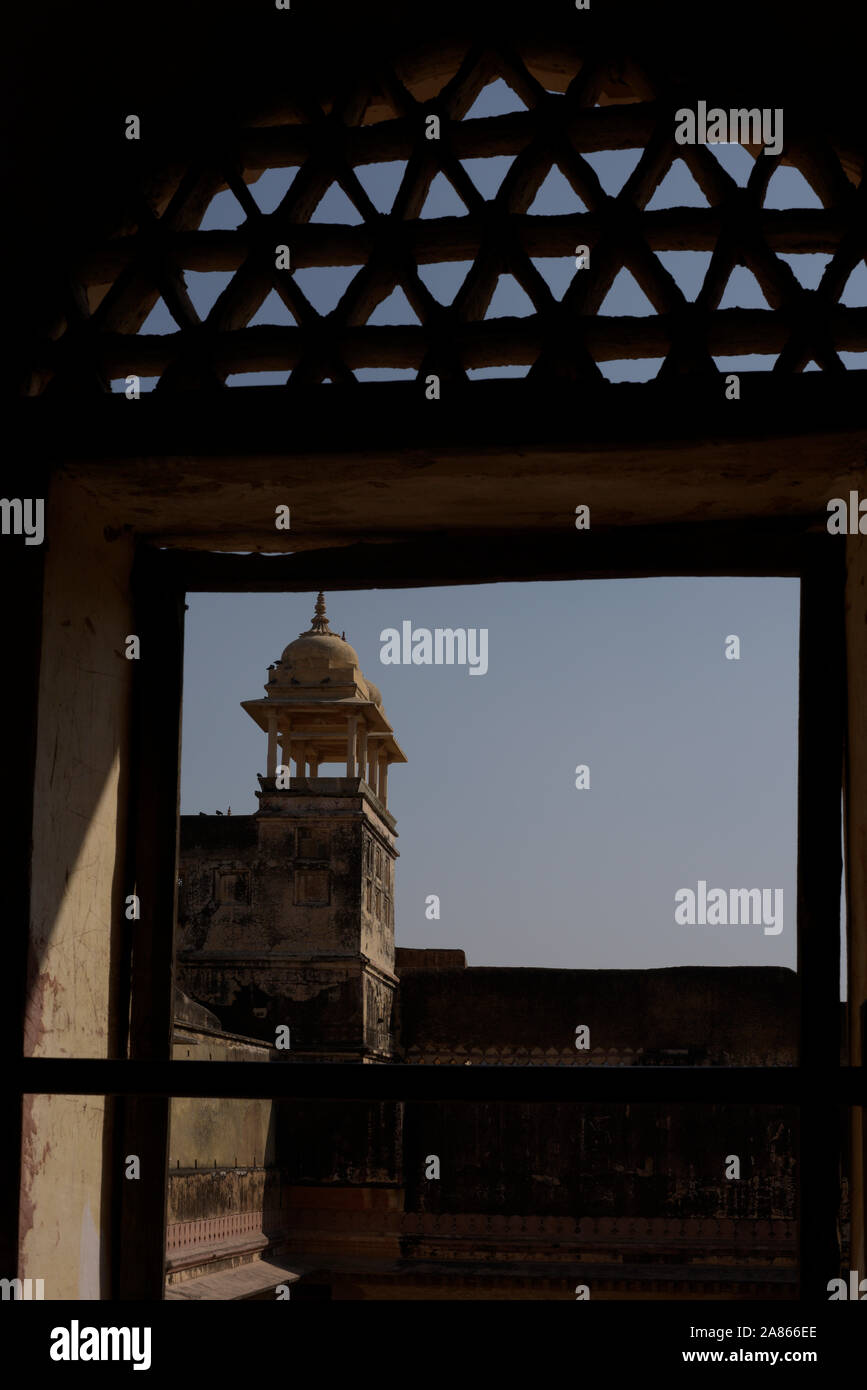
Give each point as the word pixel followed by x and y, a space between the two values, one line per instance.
pixel 320 621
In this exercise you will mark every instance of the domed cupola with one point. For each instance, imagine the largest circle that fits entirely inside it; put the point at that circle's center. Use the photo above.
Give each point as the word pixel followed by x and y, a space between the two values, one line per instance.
pixel 318 708
pixel 319 657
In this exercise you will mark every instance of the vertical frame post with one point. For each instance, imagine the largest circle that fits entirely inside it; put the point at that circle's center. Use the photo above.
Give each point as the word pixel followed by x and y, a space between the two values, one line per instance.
pixel 821 722
pixel 22 569
pixel 159 608
pixel 856 875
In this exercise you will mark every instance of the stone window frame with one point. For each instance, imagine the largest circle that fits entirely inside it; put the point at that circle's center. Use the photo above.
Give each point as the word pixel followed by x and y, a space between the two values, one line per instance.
pixel 311 902
pixel 149 1041
pixel 819 1084
pixel 322 837
pixel 221 873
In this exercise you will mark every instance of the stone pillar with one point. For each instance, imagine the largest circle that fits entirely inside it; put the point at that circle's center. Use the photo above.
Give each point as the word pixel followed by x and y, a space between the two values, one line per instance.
pixel 271 770
pixel 300 760
pixel 362 749
pixel 372 764
pixel 382 792
pixel 351 726
pixel 314 763
pixel 287 751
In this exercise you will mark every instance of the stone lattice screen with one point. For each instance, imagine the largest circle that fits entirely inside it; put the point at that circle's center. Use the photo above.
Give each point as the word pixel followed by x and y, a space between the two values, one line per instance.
pixel 575 106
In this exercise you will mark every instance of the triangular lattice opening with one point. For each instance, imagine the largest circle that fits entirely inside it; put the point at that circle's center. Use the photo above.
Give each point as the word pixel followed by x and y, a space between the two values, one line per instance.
pixel 787 188
pixel 444 279
pixel 557 272
pixel 855 290
pixel 677 190
pixel 737 162
pixel 626 297
pixel 488 174
pixel 271 188
pixel 743 291
pixel 509 300
pixel 808 269
pixel 258 378
pixel 442 200
pixel 497 99
pixel 385 373
pixel 335 206
pixel 223 213
pixel 489 373
pixel 613 167
pixel 272 310
pixel 631 368
pixel 395 309
pixel 555 196
pixel 747 362
pixel 205 287
pixel 325 285
pixel 381 182
pixel 687 268
pixel 159 320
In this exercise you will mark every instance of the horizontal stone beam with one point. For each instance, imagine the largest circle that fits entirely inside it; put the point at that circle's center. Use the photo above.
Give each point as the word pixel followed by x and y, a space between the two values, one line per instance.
pixel 487 343
pixel 426 241
pixel 347 1081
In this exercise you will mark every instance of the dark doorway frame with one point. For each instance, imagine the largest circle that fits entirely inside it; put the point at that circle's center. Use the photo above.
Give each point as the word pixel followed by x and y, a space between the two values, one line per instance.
pixel 147 1079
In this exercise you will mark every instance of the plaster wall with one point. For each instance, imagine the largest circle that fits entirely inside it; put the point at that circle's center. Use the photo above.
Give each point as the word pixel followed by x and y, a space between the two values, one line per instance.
pixel 77 893
pixel 205 1133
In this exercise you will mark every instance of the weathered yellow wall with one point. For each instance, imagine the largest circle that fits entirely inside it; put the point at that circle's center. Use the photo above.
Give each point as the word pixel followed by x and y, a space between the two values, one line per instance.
pixel 230 1132
pixel 77 899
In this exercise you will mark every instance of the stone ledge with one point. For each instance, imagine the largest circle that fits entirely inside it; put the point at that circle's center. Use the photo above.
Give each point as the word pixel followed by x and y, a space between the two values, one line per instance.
pixel 246 1281
pixel 203 1254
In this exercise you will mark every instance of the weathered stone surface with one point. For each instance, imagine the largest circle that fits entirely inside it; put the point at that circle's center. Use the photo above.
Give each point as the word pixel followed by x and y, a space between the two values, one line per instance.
pixel 723 1015
pixel 286 917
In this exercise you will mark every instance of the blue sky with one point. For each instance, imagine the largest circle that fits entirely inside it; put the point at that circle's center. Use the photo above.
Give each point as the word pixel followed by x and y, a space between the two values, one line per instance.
pixel 692 757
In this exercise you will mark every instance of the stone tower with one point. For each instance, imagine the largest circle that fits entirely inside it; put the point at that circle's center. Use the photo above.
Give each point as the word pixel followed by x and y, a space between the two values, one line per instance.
pixel 287 916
